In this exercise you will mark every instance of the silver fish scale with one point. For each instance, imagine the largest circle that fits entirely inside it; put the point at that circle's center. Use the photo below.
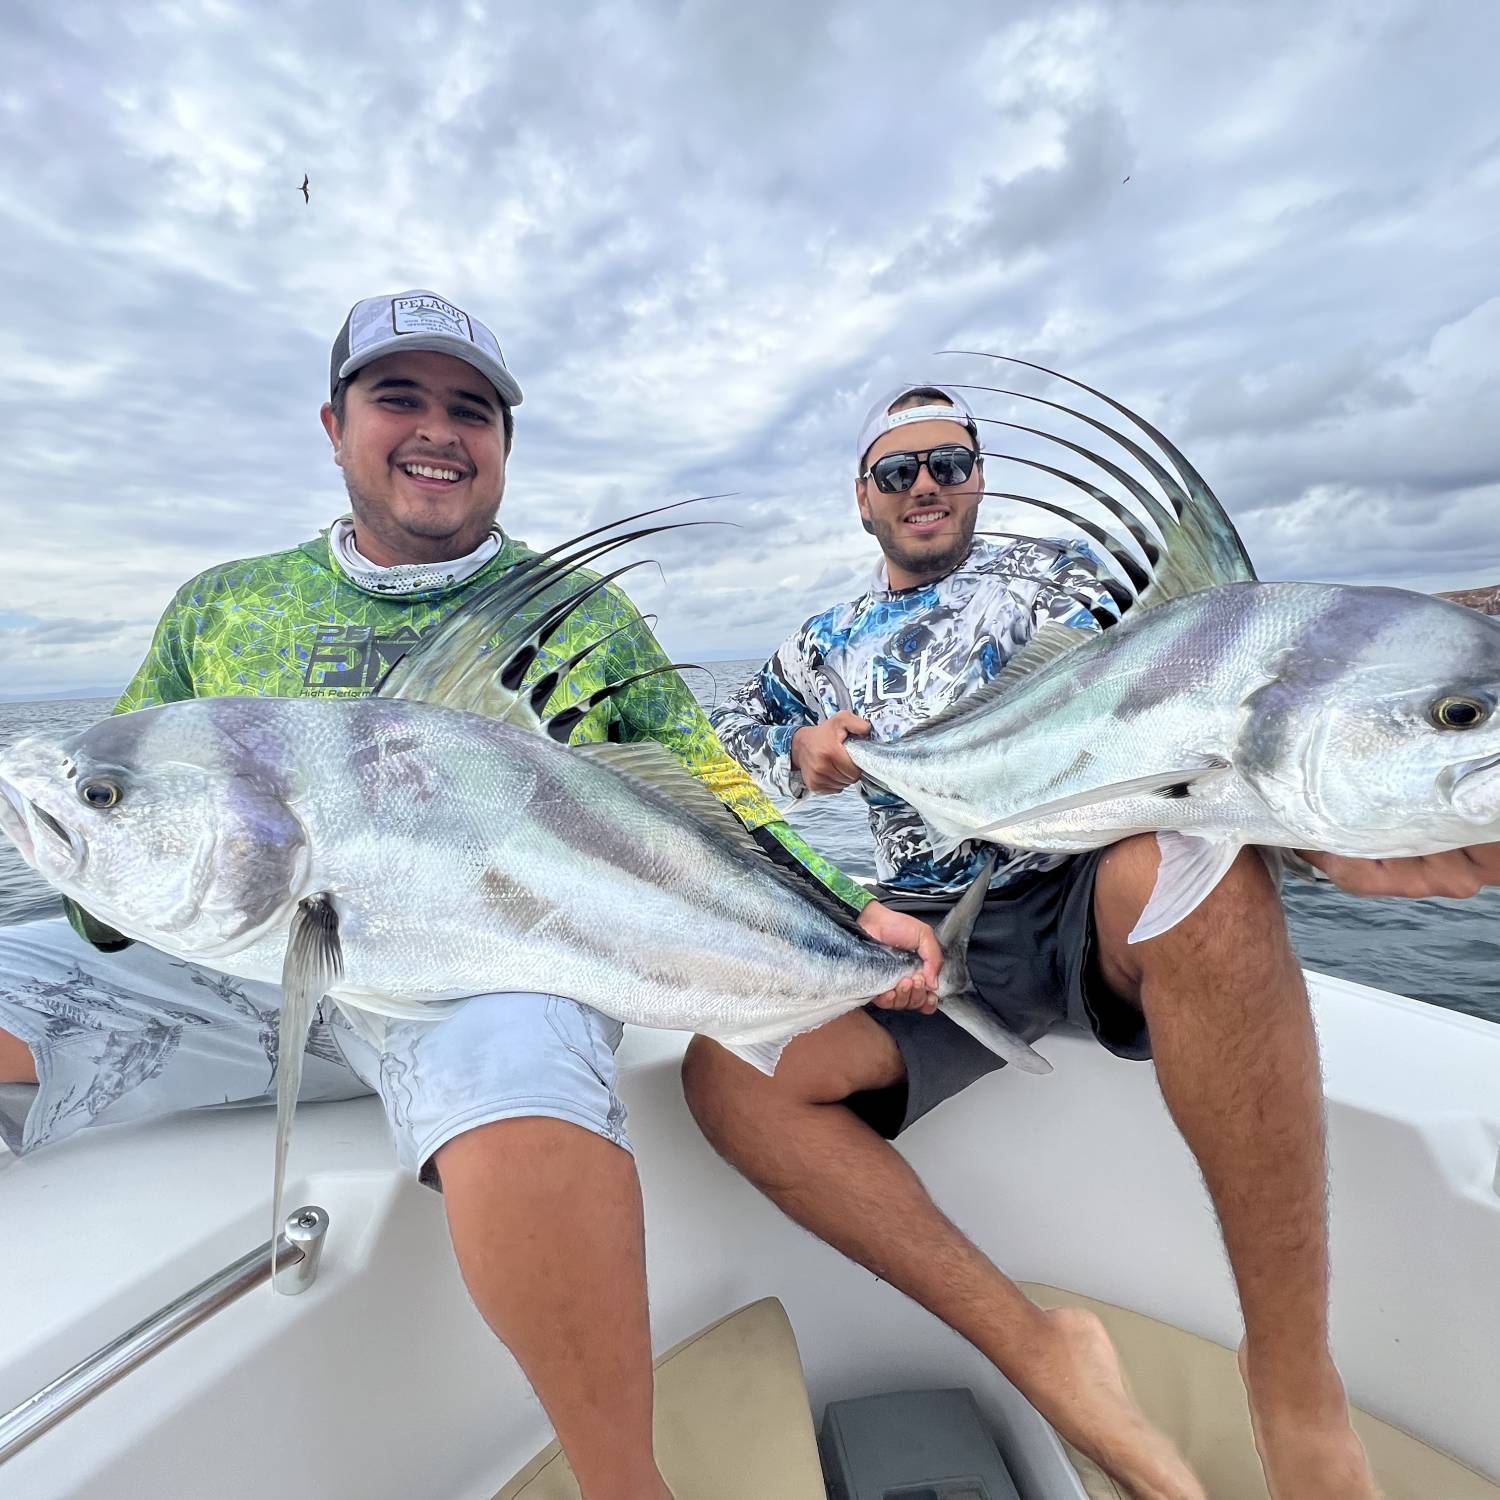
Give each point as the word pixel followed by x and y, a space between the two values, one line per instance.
pixel 466 857
pixel 1315 698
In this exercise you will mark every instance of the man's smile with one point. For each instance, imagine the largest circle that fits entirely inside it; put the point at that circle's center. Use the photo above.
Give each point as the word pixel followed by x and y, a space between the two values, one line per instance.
pixel 432 476
pixel 925 521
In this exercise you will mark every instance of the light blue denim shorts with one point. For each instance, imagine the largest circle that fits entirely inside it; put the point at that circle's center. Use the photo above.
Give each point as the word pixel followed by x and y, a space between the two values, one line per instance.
pixel 119 1037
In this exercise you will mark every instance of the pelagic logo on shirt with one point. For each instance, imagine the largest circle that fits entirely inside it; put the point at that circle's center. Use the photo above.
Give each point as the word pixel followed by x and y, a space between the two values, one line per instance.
pixel 354 658
pixel 430 315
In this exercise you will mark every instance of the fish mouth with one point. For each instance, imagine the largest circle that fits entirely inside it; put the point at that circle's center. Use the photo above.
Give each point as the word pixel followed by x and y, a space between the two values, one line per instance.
pixel 21 819
pixel 1474 788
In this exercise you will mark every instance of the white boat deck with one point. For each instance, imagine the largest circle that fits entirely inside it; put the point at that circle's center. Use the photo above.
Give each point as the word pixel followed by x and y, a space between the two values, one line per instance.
pixel 381 1380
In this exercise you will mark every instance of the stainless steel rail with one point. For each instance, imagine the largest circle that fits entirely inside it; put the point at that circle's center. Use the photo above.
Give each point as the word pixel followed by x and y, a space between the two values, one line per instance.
pixel 298 1250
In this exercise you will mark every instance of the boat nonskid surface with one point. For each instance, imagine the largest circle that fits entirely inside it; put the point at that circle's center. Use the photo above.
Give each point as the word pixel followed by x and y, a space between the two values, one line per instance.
pixel 382 1379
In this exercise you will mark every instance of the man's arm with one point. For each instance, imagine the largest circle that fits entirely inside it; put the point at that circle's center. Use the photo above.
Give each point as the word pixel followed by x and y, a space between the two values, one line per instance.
pixel 164 676
pixel 759 721
pixel 660 707
pixel 1456 873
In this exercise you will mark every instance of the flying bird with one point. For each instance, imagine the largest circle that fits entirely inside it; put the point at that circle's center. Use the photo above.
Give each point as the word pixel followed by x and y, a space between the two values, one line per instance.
pixel 1126 180
pixel 305 196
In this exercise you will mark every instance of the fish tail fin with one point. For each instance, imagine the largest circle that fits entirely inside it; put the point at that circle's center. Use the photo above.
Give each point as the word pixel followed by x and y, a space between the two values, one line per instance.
pixel 959 1000
pixel 314 961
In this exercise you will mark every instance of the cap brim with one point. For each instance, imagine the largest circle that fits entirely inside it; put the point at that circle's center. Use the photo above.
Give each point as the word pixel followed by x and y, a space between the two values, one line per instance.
pixel 492 370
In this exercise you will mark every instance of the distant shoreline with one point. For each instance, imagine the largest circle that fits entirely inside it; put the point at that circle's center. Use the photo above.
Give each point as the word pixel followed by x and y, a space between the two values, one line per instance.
pixel 61 695
pixel 1486 600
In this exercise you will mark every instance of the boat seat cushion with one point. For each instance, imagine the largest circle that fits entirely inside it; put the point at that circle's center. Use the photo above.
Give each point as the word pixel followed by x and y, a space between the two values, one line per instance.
pixel 1191 1388
pixel 732 1418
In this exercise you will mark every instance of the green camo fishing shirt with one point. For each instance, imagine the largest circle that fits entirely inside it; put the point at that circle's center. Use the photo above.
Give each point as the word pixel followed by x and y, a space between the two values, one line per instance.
pixel 294 625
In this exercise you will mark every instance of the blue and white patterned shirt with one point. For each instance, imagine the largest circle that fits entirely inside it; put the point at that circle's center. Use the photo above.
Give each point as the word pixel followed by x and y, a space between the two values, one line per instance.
pixel 905 655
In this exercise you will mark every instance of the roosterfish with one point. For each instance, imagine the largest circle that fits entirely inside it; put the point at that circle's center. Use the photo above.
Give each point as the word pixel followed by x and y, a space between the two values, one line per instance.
pixel 440 839
pixel 1216 711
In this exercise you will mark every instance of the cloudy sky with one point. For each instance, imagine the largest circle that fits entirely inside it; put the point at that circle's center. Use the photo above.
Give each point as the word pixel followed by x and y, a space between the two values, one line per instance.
pixel 706 235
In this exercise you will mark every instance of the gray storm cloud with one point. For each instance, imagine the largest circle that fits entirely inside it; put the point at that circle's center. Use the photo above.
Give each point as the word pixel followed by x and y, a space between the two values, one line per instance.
pixel 705 236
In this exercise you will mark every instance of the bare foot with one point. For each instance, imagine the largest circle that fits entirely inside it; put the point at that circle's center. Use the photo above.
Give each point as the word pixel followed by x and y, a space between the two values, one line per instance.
pixel 1078 1386
pixel 1307 1454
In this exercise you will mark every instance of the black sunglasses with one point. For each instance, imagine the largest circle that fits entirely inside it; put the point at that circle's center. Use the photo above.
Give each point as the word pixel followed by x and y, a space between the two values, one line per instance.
pixel 897 472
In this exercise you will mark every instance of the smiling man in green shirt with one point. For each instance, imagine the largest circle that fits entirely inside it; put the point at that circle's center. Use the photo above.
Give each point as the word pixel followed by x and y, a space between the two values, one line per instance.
pixel 508 1103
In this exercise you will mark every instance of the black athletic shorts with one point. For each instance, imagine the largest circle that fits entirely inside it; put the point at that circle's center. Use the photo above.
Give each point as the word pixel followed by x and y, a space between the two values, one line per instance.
pixel 1032 959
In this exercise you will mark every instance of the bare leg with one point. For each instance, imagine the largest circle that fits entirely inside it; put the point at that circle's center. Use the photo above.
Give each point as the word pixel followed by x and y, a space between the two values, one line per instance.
pixel 1237 1059
pixel 830 1172
pixel 547 1224
pixel 16 1065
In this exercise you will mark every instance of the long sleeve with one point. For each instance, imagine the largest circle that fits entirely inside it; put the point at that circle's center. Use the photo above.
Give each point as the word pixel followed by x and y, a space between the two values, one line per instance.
pixel 758 721
pixel 164 676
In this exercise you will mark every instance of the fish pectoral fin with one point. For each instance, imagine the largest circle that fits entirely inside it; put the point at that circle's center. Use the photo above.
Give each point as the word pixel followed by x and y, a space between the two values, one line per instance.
pixel 650 767
pixel 1190 868
pixel 314 962
pixel 652 764
pixel 1048 644
pixel 761 1055
pixel 1179 782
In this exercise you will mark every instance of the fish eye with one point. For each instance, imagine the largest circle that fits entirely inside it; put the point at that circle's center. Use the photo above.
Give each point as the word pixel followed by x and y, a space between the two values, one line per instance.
pixel 1459 713
pixel 99 793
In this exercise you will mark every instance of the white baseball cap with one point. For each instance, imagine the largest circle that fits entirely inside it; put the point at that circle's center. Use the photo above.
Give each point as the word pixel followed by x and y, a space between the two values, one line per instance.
pixel 880 419
pixel 378 326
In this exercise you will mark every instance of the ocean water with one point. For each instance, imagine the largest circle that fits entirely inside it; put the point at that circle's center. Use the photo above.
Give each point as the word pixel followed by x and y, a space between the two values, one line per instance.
pixel 1444 952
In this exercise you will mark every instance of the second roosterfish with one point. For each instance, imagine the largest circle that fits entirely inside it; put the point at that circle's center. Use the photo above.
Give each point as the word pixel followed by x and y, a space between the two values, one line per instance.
pixel 1220 712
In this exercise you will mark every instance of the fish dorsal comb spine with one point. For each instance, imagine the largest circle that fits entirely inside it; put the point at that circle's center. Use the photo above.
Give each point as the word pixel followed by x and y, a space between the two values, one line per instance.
pixel 1200 547
pixel 1049 642
pixel 478 659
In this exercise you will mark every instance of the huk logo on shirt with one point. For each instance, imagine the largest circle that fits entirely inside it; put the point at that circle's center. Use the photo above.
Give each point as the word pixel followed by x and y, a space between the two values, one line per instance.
pixel 429 315
pixel 888 681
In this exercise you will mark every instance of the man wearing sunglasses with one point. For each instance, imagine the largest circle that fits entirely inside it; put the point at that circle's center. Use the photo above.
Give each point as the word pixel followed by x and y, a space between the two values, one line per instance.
pixel 1218 1002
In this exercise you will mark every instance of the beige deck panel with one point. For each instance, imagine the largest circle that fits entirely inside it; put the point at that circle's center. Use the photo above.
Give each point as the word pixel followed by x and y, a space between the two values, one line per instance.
pixel 1191 1387
pixel 732 1418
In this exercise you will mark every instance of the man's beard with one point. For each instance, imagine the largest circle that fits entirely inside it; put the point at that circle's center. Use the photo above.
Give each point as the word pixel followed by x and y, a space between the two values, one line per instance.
pixel 927 565
pixel 431 526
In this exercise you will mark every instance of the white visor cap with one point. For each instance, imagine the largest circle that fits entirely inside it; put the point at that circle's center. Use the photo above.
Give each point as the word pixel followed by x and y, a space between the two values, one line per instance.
pixel 880 419
pixel 378 326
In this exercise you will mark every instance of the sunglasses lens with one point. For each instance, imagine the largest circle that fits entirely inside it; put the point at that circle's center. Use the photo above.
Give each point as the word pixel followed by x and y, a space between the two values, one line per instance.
pixel 950 465
pixel 895 473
